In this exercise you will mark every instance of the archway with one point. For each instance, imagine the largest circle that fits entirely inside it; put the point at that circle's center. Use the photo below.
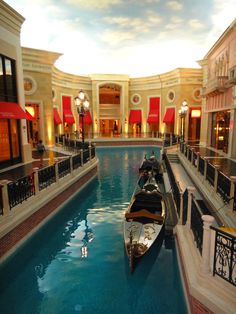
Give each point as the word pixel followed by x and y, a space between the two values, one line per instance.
pixel 109 109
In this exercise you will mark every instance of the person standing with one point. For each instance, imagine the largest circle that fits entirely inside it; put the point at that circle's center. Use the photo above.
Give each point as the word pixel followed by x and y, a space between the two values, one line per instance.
pixel 40 150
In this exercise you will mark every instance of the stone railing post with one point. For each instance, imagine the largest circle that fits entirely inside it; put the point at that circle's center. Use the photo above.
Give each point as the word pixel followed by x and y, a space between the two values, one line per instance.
pixel 5 199
pixel 198 156
pixel 90 151
pixel 191 190
pixel 216 177
pixel 180 221
pixel 206 245
pixel 192 155
pixel 232 191
pixel 82 157
pixel 36 180
pixel 71 164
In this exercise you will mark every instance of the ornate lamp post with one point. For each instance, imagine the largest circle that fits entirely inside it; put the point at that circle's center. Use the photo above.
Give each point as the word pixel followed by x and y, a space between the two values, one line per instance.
pixel 82 105
pixel 182 113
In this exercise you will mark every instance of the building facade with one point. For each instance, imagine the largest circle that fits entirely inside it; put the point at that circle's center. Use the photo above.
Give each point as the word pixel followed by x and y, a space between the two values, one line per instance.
pixel 119 105
pixel 219 93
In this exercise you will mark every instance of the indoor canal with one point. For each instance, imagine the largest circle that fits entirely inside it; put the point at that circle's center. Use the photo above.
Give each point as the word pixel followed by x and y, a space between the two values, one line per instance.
pixel 76 263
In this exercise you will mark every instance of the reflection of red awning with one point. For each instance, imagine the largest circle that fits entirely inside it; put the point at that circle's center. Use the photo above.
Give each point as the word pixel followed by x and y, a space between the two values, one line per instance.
pixel 87 118
pixel 135 116
pixel 57 118
pixel 11 110
pixel 153 117
pixel 169 116
pixel 67 113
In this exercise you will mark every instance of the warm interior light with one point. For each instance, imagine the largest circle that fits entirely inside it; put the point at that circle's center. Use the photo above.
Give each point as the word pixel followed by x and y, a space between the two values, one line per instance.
pixel 30 111
pixel 195 113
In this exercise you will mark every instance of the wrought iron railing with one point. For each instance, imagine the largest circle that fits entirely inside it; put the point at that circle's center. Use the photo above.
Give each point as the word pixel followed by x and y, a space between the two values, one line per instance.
pixel 64 167
pixel 201 165
pixel 47 176
pixel 20 190
pixel 223 186
pixel 210 173
pixel 224 183
pixel 76 161
pixel 225 256
pixel 197 223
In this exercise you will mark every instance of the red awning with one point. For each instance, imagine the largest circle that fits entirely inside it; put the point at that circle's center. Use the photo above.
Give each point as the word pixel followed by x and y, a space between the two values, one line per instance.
pixel 87 118
pixel 11 110
pixel 57 118
pixel 68 116
pixel 169 116
pixel 153 117
pixel 135 116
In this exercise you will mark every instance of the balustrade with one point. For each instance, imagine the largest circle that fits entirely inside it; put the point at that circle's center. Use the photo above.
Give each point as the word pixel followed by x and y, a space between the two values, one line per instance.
pixel 225 256
pixel 223 186
pixel 20 190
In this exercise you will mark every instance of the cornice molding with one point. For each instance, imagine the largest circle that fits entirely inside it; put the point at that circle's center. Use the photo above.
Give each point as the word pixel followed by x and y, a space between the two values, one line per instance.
pixel 10 19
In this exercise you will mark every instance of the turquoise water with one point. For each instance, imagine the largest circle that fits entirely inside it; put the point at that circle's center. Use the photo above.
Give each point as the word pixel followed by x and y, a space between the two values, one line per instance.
pixel 76 263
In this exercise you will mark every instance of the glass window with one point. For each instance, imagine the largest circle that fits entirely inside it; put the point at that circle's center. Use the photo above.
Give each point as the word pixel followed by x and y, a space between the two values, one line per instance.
pixel 7 80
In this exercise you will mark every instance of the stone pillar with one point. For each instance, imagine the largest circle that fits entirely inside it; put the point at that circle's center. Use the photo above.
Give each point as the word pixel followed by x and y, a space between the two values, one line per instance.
pixel 191 190
pixel 36 179
pixel 5 199
pixel 206 245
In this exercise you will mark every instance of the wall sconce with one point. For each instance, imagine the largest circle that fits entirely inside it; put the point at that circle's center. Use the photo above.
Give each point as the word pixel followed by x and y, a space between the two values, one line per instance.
pixel 125 121
pixel 96 121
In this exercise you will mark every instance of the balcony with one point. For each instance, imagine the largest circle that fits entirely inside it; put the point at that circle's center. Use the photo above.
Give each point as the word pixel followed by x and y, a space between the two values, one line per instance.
pixel 216 85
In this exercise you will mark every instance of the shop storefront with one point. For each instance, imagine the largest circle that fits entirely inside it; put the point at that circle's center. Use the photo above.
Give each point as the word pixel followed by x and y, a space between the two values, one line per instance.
pixel 220 130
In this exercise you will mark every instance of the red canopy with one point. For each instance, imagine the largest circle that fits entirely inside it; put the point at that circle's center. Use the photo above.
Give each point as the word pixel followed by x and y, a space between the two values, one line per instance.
pixel 135 116
pixel 153 116
pixel 57 118
pixel 11 110
pixel 67 113
pixel 169 116
pixel 87 118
